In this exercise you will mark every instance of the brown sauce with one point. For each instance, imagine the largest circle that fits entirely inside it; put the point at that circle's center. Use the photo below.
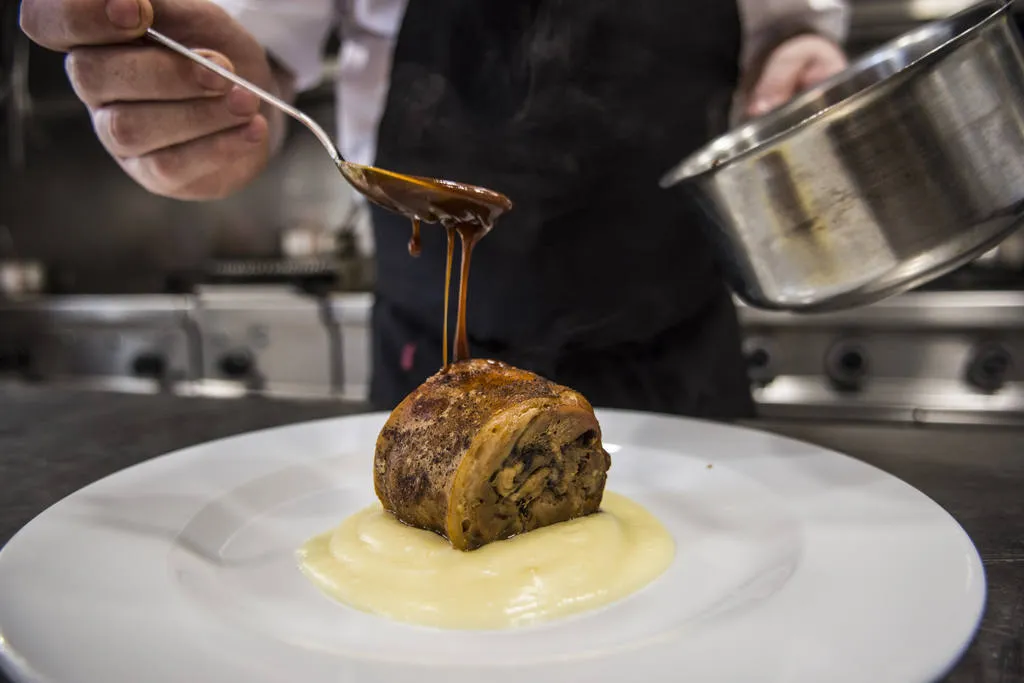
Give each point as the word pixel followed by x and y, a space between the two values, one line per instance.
pixel 414 242
pixel 468 210
pixel 469 240
pixel 447 289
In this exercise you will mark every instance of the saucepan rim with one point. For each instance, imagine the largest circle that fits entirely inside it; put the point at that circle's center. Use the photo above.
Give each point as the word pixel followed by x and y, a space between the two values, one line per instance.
pixel 995 10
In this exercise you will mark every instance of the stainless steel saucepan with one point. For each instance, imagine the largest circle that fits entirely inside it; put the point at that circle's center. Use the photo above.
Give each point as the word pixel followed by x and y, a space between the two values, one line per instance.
pixel 900 169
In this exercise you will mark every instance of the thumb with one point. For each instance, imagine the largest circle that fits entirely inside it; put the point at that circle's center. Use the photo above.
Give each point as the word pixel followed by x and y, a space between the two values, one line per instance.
pixel 62 26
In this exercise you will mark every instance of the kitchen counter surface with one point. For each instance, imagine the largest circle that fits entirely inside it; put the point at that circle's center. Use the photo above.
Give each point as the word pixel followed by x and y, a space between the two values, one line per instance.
pixel 54 441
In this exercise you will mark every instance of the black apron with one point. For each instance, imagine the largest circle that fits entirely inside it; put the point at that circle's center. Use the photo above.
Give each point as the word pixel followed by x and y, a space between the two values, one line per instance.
pixel 598 278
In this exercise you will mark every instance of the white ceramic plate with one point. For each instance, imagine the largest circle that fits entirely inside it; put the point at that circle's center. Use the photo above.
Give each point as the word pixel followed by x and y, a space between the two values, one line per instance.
pixel 793 563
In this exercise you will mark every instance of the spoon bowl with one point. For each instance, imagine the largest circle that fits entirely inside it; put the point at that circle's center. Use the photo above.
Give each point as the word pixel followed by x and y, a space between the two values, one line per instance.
pixel 428 200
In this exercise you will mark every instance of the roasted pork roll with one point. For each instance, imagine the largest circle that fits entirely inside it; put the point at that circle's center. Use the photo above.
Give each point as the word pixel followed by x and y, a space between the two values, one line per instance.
pixel 483 451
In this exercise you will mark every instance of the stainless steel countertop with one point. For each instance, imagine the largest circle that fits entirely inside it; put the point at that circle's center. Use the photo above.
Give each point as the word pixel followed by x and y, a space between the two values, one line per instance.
pixel 54 441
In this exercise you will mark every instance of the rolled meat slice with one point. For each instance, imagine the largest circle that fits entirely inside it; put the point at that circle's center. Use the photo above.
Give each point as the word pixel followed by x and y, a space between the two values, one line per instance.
pixel 483 451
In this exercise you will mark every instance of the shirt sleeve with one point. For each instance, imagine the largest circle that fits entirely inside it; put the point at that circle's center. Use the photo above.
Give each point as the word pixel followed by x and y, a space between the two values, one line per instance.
pixel 292 31
pixel 768 22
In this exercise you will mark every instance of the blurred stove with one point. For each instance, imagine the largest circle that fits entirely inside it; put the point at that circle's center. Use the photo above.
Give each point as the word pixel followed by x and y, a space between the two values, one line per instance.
pixel 928 356
pixel 113 342
pixel 944 355
pixel 267 340
pixel 225 340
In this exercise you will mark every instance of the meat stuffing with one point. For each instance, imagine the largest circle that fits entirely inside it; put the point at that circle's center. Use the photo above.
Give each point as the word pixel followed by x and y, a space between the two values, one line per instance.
pixel 483 451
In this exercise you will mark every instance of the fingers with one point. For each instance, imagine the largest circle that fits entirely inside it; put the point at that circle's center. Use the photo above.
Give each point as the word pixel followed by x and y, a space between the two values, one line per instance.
pixel 794 66
pixel 175 127
pixel 196 169
pixel 779 80
pixel 64 24
pixel 102 75
pixel 826 66
pixel 136 129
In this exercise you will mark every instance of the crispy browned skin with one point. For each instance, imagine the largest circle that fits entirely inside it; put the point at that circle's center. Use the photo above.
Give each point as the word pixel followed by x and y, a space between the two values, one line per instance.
pixel 482 451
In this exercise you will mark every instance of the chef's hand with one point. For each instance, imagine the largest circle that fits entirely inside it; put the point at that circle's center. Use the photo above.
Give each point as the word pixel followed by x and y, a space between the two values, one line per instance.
pixel 792 67
pixel 178 129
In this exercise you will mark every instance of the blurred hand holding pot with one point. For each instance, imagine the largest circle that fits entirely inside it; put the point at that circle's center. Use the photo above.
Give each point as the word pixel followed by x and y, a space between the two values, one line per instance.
pixel 902 168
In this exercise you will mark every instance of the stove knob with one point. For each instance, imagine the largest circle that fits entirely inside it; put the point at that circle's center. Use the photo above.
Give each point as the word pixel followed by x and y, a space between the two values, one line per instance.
pixel 846 365
pixel 236 364
pixel 149 364
pixel 988 367
pixel 758 358
pixel 759 361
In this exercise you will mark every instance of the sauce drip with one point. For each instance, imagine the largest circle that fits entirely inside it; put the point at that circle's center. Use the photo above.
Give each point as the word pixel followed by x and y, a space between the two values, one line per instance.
pixel 415 248
pixel 468 210
pixel 469 240
pixel 447 289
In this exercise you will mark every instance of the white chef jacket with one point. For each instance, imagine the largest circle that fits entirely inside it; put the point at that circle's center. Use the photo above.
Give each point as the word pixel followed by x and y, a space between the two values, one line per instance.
pixel 294 32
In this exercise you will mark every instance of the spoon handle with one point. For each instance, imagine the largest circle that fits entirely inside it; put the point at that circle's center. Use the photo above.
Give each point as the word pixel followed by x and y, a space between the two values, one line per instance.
pixel 313 126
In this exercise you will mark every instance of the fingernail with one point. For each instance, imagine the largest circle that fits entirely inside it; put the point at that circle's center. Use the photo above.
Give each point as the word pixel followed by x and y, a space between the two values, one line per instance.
pixel 242 103
pixel 124 13
pixel 209 80
pixel 760 107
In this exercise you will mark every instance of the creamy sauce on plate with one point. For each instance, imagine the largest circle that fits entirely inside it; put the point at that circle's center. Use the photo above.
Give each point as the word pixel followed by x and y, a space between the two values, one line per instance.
pixel 376 564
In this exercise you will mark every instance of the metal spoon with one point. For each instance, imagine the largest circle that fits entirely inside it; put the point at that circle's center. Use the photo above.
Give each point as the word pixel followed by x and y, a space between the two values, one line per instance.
pixel 424 199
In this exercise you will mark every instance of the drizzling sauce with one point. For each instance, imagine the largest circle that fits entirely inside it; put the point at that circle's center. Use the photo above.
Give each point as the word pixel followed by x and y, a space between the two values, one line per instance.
pixel 377 564
pixel 469 240
pixel 468 210
pixel 414 242
pixel 447 289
